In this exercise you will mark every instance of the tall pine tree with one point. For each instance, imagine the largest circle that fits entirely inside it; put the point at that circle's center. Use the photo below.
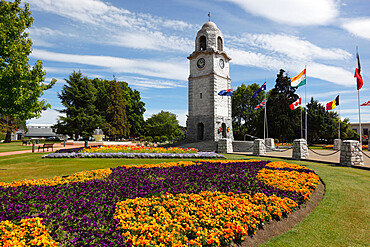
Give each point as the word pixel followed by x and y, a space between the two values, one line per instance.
pixel 116 122
pixel 78 97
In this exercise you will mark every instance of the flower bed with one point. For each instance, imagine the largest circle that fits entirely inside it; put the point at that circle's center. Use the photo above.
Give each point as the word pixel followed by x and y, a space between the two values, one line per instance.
pixel 135 149
pixel 201 155
pixel 203 203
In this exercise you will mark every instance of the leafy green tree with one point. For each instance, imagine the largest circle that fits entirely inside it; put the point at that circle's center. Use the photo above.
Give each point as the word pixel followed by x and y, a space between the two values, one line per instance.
pixel 135 109
pixel 20 85
pixel 345 131
pixel 116 123
pixel 283 123
pixel 245 118
pixel 163 124
pixel 78 97
pixel 320 125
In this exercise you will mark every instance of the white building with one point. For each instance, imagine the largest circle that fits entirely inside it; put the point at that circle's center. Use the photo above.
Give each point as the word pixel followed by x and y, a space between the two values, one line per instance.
pixel 35 131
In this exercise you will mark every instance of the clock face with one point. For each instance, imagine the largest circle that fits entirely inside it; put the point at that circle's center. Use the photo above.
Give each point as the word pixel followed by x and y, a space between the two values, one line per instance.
pixel 222 63
pixel 201 63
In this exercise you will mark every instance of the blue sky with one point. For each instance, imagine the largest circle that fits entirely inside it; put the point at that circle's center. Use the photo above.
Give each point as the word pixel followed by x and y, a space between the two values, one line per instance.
pixel 146 43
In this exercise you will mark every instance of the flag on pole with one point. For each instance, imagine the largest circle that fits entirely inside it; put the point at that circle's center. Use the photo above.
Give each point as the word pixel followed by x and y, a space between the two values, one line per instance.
pixel 263 87
pixel 366 103
pixel 262 104
pixel 331 105
pixel 298 80
pixel 228 92
pixel 358 75
pixel 295 104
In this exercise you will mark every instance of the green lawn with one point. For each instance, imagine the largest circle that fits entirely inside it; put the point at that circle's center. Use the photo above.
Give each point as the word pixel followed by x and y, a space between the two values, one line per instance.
pixel 341 219
pixel 13 146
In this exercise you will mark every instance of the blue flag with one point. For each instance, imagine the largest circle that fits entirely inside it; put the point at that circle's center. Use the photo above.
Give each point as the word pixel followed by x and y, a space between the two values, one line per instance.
pixel 263 87
pixel 228 92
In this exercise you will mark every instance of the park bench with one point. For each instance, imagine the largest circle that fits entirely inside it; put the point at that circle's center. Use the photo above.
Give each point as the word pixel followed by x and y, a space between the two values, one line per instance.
pixel 47 146
pixel 26 142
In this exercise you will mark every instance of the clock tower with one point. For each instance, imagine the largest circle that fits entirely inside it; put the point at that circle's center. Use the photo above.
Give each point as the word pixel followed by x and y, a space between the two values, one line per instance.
pixel 209 117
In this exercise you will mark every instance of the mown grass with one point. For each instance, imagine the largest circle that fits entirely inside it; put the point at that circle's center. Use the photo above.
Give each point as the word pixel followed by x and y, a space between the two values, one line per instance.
pixel 13 146
pixel 341 219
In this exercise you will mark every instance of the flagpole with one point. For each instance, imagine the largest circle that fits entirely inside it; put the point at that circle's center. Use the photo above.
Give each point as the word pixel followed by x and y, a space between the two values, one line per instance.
pixel 359 116
pixel 301 123
pixel 264 119
pixel 267 127
pixel 305 102
pixel 339 118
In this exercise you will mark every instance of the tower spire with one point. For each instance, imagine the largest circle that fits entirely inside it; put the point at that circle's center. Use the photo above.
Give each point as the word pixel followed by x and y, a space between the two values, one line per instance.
pixel 209 16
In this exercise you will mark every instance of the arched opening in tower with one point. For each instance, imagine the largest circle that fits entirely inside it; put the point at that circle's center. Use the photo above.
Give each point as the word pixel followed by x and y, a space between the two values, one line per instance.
pixel 200 131
pixel 224 130
pixel 202 43
pixel 220 47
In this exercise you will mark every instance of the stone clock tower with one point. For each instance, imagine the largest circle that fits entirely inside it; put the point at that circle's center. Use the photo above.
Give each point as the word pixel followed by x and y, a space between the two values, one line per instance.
pixel 209 117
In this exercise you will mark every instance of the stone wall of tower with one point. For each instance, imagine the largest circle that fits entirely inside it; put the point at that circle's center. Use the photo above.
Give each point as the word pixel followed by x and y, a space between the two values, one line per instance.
pixel 205 105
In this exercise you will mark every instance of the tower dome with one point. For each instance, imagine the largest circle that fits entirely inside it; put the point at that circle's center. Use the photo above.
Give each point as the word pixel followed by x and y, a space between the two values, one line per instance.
pixel 209 38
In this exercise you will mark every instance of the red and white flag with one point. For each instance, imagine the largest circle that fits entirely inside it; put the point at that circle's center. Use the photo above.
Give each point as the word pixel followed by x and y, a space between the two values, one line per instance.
pixel 366 103
pixel 295 104
pixel 358 72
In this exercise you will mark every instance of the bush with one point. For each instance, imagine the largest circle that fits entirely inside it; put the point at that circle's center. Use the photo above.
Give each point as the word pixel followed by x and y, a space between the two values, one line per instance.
pixel 164 138
pixel 2 136
pixel 156 139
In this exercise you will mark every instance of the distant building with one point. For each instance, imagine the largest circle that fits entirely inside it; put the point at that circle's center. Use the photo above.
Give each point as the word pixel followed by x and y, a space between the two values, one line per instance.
pixel 364 126
pixel 35 131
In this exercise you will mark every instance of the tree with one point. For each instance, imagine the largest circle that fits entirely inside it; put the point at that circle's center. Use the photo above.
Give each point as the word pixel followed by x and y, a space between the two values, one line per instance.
pixel 79 99
pixel 245 118
pixel 116 123
pixel 135 109
pixel 283 123
pixel 321 126
pixel 20 85
pixel 163 124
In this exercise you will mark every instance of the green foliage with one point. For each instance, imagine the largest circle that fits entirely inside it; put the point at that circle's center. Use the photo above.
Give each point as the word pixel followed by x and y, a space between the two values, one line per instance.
pixel 284 123
pixel 156 139
pixel 78 97
pixel 20 85
pixel 164 138
pixel 163 124
pixel 319 123
pixel 116 124
pixel 245 118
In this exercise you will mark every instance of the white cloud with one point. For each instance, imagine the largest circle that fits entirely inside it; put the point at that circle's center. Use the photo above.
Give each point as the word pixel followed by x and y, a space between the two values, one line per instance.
pixel 358 27
pixel 143 83
pixel 170 70
pixel 293 47
pixel 292 12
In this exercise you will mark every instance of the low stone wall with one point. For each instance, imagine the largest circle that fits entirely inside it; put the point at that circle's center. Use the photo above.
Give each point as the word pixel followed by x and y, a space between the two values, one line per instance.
pixel 225 146
pixel 243 146
pixel 300 149
pixel 259 147
pixel 270 144
pixel 350 153
pixel 337 144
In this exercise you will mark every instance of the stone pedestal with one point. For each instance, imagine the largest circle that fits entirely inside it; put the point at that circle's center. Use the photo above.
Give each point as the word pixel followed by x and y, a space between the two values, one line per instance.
pixel 300 149
pixel 259 147
pixel 337 144
pixel 225 146
pixel 270 145
pixel 350 153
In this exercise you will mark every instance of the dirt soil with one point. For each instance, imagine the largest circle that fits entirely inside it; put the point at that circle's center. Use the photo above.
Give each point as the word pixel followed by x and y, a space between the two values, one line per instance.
pixel 275 228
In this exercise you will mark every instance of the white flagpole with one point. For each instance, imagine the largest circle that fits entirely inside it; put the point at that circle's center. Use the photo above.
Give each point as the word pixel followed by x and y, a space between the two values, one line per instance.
pixel 305 102
pixel 301 123
pixel 359 115
pixel 267 127
pixel 264 119
pixel 339 118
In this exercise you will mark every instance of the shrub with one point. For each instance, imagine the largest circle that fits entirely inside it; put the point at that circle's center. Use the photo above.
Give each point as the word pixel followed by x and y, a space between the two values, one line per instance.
pixel 156 139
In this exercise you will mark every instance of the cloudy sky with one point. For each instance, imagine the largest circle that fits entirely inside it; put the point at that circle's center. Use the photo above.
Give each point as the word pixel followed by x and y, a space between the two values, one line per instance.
pixel 145 43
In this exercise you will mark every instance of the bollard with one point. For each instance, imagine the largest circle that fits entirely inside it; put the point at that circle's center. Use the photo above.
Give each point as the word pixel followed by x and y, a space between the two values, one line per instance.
pixel 64 143
pixel 86 144
pixel 33 146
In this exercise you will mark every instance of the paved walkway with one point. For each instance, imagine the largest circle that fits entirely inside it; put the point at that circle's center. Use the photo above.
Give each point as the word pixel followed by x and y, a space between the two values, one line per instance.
pixel 327 156
pixel 68 145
